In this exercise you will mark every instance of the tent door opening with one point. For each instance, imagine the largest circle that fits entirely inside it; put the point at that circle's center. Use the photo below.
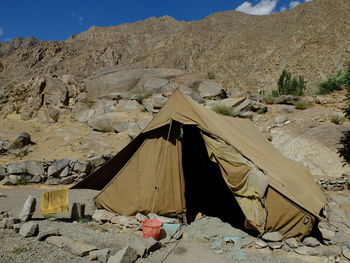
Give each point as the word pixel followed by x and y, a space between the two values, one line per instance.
pixel 205 189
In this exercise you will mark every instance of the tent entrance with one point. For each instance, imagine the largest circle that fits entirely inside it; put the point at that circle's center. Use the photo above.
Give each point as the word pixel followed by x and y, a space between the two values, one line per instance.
pixel 205 188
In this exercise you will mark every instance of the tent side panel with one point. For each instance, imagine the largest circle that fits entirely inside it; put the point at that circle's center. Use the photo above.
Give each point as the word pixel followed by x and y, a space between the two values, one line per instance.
pixel 285 217
pixel 102 176
pixel 133 189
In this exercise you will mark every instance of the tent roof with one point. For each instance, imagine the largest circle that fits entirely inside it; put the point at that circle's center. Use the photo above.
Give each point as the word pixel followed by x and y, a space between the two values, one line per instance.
pixel 288 177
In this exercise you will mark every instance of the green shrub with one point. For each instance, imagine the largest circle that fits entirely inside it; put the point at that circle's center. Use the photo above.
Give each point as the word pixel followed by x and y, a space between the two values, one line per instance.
pixel 301 104
pixel 274 93
pixel 211 75
pixel 337 118
pixel 346 110
pixel 24 180
pixel 334 83
pixel 223 110
pixel 290 85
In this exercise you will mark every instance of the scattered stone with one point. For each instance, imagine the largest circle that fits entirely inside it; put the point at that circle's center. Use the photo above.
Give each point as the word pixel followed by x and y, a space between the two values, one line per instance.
pixel 275 245
pixel 28 209
pixel 16 168
pixel 144 246
pixel 272 236
pixel 78 248
pixel 96 161
pixel 36 179
pixel 22 140
pixel 34 168
pixel 163 219
pixel 292 242
pixel 101 215
pixel 311 242
pixel 260 243
pixel 29 229
pixel 140 217
pixel 58 241
pixel 125 255
pixel 124 221
pixel 67 180
pixel 81 167
pixel 65 172
pixel 48 233
pixel 303 250
pixel 17 227
pixel 56 167
pixel 53 181
pixel 327 231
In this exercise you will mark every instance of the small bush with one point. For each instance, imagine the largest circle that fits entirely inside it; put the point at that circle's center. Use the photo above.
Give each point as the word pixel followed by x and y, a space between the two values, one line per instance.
pixel 274 93
pixel 301 104
pixel 346 110
pixel 334 83
pixel 289 85
pixel 223 110
pixel 270 99
pixel 337 118
pixel 211 75
pixel 24 180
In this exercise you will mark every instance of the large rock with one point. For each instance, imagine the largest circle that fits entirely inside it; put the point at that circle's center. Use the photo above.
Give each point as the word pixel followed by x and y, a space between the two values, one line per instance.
pixel 34 168
pixel 55 93
pixel 28 209
pixel 57 167
pixel 313 144
pixel 125 255
pixel 48 233
pixel 29 229
pixel 79 248
pixel 101 215
pixel 22 140
pixel 272 236
pixel 81 167
pixel 311 242
pixel 58 241
pixel 107 122
pixel 208 88
pixel 145 245
pixel 16 168
pixel 327 231
pixel 82 112
pixel 307 251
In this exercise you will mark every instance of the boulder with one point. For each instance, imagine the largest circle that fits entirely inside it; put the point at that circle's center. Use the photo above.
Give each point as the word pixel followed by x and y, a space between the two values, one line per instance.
pixel 65 172
pixel 55 92
pixel 58 166
pixel 16 168
pixel 67 180
pixel 208 88
pixel 48 233
pixel 34 168
pixel 29 229
pixel 292 242
pixel 81 167
pixel 304 250
pixel 286 99
pixel 22 140
pixel 311 242
pixel 144 246
pixel 96 161
pixel 125 255
pixel 28 209
pixel 272 236
pixel 107 122
pixel 101 215
pixel 327 231
pixel 58 241
pixel 78 248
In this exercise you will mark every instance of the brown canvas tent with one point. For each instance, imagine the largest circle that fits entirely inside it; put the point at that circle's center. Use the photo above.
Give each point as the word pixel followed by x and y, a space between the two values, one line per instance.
pixel 190 159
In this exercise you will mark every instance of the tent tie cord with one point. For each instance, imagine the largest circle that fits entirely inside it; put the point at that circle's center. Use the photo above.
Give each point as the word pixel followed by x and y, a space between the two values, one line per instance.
pixel 163 157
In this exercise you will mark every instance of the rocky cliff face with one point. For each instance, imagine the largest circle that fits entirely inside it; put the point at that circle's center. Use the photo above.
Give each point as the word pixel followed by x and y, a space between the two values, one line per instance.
pixel 241 51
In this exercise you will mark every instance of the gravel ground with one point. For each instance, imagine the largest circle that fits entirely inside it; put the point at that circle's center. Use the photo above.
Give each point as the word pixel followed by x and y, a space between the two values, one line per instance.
pixel 14 248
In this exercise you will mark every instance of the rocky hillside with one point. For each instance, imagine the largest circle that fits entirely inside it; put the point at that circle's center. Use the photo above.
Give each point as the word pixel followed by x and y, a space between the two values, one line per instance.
pixel 242 51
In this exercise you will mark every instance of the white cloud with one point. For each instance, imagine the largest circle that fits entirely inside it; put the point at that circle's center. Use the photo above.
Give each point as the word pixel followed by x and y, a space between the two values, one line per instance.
pixel 264 7
pixel 1 31
pixel 293 4
pixel 283 8
pixel 80 18
pixel 308 0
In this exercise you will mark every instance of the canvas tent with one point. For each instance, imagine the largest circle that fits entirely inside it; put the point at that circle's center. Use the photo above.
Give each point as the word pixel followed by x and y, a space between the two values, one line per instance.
pixel 189 159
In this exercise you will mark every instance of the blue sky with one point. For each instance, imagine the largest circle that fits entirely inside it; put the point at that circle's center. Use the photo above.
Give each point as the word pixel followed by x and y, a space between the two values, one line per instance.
pixel 57 20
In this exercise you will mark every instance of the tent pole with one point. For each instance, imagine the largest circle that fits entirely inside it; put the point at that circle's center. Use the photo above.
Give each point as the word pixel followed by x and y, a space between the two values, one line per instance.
pixel 158 179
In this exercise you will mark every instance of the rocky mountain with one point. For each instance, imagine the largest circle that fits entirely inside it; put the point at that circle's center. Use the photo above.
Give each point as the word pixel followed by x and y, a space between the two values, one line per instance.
pixel 241 51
